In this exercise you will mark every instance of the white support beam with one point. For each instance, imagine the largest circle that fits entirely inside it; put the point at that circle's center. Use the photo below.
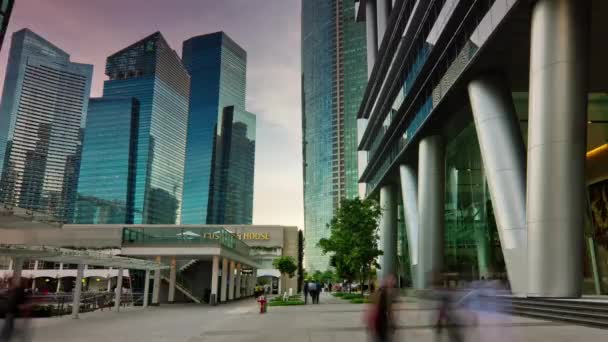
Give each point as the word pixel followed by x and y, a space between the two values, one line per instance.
pixel 77 291
pixel 215 270
pixel 224 294
pixel 237 283
pixel 118 294
pixel 146 289
pixel 172 280
pixel 231 281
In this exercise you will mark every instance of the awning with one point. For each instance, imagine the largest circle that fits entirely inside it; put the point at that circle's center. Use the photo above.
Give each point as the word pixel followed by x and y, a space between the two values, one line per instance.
pixel 74 256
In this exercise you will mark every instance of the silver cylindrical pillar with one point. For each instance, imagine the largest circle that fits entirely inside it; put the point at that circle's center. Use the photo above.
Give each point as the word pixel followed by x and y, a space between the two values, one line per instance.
pixel 388 231
pixel 503 154
pixel 224 290
pixel 118 294
pixel 383 8
pixel 556 147
pixel 77 291
pixel 431 198
pixel 409 192
pixel 146 289
pixel 372 35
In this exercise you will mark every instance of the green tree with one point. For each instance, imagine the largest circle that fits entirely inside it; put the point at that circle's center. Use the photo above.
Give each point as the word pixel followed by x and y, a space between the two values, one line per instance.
pixel 353 240
pixel 286 265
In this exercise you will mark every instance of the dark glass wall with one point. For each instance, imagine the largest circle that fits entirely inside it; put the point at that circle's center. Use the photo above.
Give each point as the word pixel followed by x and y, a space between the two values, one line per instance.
pixel 218 69
pixel 107 174
pixel 151 72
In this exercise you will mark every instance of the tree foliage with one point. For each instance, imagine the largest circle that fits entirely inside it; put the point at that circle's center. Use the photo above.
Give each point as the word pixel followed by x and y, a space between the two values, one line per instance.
pixel 286 265
pixel 353 241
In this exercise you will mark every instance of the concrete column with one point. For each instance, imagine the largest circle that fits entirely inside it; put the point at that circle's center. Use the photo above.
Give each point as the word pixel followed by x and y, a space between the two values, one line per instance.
pixel 224 292
pixel 156 284
pixel 172 277
pixel 237 283
pixel 503 154
pixel 388 231
pixel 383 8
pixel 431 198
pixel 215 273
pixel 146 289
pixel 409 193
pixel 557 130
pixel 231 281
pixel 372 35
pixel 118 294
pixel 17 271
pixel 109 284
pixel 77 291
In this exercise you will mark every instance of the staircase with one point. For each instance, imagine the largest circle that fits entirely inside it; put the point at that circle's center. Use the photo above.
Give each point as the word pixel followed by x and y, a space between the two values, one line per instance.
pixel 583 312
pixel 181 287
pixel 188 264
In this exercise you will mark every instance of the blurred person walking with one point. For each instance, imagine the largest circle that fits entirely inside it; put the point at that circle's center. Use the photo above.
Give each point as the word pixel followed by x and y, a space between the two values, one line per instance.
pixel 15 307
pixel 380 316
pixel 305 290
pixel 447 319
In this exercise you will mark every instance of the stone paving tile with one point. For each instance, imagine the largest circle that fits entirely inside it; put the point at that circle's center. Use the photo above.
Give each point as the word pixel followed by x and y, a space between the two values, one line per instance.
pixel 336 322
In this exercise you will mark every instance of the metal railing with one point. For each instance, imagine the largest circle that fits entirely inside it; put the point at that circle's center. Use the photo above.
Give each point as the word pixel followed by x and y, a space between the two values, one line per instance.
pixel 203 236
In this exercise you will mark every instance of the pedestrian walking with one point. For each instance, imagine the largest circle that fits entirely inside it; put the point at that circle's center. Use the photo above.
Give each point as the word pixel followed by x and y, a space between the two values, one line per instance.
pixel 312 288
pixel 15 307
pixel 380 317
pixel 305 290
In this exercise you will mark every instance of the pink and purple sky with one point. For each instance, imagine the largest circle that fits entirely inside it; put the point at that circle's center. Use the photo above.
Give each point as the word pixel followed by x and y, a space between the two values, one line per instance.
pixel 91 30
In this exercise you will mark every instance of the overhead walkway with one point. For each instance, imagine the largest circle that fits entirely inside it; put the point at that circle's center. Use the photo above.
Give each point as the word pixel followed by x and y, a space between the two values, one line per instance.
pixel 21 253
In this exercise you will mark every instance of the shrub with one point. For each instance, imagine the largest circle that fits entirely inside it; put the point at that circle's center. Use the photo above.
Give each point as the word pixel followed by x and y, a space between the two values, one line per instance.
pixel 285 303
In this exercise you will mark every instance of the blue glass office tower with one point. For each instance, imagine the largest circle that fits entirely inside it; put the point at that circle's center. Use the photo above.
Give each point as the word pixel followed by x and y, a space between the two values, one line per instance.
pixel 41 118
pixel 231 197
pixel 151 72
pixel 217 66
pixel 106 185
pixel 334 76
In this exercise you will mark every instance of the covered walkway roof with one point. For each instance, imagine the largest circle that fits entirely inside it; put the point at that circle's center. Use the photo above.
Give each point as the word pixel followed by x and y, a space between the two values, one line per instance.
pixel 74 256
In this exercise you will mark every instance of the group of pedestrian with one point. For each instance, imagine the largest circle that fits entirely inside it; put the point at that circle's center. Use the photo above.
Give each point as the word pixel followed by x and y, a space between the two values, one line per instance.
pixel 15 305
pixel 314 289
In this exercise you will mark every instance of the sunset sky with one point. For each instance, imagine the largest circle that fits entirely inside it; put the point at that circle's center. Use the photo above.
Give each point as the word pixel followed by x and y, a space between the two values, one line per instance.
pixel 91 30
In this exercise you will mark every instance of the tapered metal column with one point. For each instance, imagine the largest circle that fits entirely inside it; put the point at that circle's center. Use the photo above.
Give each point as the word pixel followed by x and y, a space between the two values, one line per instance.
pixel 77 291
pixel 231 281
pixel 118 294
pixel 372 35
pixel 388 231
pixel 17 267
pixel 224 292
pixel 556 147
pixel 383 8
pixel 431 201
pixel 503 154
pixel 146 289
pixel 409 193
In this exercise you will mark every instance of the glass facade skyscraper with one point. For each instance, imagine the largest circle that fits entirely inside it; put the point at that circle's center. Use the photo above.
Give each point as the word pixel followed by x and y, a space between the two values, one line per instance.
pixel 41 118
pixel 218 68
pixel 232 173
pixel 334 76
pixel 6 7
pixel 106 185
pixel 151 72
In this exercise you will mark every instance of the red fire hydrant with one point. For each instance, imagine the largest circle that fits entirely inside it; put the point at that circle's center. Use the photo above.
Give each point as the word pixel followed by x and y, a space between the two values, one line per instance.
pixel 263 303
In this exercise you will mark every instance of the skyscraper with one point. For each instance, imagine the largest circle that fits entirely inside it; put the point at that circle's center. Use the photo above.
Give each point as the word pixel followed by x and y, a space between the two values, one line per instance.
pixel 151 72
pixel 218 68
pixel 334 76
pixel 106 185
pixel 6 7
pixel 232 174
pixel 41 117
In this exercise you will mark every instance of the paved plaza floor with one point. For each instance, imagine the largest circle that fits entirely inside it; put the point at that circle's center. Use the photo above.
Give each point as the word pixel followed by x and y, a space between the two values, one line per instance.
pixel 331 321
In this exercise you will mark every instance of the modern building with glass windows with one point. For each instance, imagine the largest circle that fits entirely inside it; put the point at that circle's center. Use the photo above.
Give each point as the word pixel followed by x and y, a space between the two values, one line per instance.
pixel 152 73
pixel 486 124
pixel 218 67
pixel 6 7
pixel 334 75
pixel 232 173
pixel 106 186
pixel 41 118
